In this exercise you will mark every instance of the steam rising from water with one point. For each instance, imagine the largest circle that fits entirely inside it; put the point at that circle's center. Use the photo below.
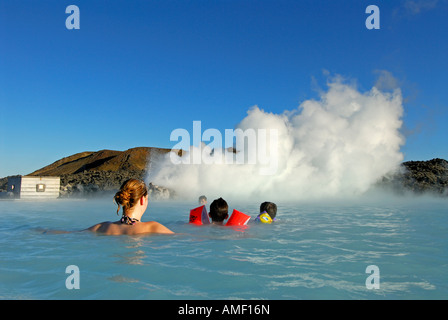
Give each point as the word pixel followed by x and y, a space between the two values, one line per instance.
pixel 337 146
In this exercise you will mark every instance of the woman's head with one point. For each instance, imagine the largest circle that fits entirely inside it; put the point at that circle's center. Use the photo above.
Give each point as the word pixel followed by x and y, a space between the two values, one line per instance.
pixel 131 191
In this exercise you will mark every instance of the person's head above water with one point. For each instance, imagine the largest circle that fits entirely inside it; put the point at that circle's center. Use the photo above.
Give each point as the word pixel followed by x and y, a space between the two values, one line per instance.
pixel 268 211
pixel 270 208
pixel 202 200
pixel 219 211
pixel 133 198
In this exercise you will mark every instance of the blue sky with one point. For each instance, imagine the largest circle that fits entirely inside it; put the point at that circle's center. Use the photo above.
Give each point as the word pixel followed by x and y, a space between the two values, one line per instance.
pixel 137 70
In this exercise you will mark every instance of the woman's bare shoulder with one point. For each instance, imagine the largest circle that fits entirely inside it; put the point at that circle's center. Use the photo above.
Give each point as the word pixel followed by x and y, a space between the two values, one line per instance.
pixel 156 227
pixel 143 227
pixel 100 226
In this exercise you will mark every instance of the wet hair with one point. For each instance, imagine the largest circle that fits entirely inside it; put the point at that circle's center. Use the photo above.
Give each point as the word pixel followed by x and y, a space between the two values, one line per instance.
pixel 219 210
pixel 270 208
pixel 130 193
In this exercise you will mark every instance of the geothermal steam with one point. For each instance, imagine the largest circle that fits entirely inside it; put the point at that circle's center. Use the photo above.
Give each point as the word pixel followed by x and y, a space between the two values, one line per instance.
pixel 337 146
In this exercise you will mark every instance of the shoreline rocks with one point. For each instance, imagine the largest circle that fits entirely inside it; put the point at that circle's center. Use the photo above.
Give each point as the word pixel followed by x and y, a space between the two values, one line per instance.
pixel 106 183
pixel 419 177
pixel 93 174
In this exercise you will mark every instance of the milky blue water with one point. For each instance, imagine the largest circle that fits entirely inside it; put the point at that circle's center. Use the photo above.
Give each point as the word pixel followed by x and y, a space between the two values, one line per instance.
pixel 313 251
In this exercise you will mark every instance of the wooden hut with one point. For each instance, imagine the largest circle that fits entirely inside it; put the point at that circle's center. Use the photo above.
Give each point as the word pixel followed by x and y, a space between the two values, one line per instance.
pixel 34 187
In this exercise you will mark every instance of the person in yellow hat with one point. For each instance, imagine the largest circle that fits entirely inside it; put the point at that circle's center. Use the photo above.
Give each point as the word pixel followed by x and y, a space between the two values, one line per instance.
pixel 268 212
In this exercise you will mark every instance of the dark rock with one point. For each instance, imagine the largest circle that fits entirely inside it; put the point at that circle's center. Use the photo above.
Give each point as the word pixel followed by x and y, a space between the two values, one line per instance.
pixel 419 177
pixel 106 183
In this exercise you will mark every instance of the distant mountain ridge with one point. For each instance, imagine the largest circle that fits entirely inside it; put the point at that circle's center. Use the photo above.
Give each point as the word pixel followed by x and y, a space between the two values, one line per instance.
pixel 135 159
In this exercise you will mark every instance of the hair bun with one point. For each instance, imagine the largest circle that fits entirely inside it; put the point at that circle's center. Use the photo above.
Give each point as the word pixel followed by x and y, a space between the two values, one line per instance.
pixel 122 197
pixel 130 192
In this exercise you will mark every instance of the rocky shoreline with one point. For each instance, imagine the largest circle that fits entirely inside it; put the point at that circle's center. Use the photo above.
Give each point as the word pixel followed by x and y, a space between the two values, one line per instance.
pixel 419 177
pixel 100 184
pixel 104 173
pixel 106 183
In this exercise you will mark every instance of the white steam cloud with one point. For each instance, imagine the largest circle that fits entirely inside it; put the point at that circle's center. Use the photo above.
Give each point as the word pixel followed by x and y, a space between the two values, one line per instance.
pixel 337 146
